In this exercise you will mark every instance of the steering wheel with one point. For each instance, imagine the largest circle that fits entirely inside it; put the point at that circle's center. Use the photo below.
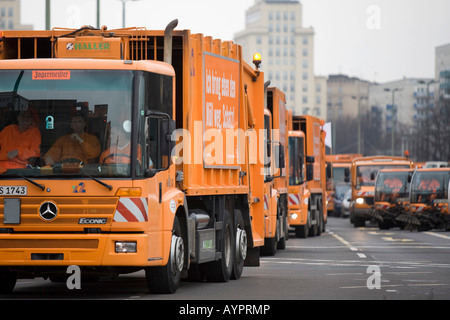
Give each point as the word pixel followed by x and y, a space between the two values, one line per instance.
pixel 116 155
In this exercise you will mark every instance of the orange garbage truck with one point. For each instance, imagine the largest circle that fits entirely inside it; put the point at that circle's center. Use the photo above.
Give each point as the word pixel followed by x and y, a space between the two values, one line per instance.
pixel 307 176
pixel 337 164
pixel 275 176
pixel 158 166
pixel 363 172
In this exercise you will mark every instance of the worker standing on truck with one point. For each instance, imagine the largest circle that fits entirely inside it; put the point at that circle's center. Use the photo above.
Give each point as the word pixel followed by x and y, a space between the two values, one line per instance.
pixel 19 142
pixel 78 145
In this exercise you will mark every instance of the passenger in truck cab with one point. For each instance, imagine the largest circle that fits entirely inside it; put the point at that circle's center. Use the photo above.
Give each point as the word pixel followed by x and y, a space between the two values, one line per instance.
pixel 19 143
pixel 78 146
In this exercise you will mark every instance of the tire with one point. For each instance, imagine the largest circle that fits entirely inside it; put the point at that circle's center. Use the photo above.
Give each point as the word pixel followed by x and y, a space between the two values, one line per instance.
pixel 220 270
pixel 283 217
pixel 166 279
pixel 270 245
pixel 241 245
pixel 8 280
pixel 301 231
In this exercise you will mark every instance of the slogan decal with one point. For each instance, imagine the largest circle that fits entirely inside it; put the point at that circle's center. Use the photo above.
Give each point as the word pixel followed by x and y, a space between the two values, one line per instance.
pixel 221 81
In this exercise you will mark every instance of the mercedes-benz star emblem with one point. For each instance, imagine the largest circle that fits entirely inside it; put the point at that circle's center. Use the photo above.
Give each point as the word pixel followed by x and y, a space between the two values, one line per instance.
pixel 48 211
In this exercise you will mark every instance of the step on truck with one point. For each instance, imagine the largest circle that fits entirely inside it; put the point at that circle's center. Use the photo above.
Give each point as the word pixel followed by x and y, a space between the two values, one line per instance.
pixel 307 176
pixel 363 172
pixel 169 179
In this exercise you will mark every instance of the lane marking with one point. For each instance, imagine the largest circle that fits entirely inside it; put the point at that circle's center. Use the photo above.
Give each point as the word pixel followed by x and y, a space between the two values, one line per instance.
pixel 345 242
pixel 361 255
pixel 437 235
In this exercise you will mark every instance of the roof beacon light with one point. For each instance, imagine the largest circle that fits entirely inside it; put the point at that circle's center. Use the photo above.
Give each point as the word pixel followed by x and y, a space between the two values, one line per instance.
pixel 257 59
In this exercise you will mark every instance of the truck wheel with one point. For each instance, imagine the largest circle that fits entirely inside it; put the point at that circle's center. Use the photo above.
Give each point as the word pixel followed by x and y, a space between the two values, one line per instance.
pixel 270 244
pixel 8 280
pixel 166 279
pixel 284 225
pixel 301 231
pixel 220 270
pixel 241 246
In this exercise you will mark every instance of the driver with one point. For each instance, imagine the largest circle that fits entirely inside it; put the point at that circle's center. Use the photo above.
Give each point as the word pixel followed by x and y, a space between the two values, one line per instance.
pixel 78 145
pixel 120 148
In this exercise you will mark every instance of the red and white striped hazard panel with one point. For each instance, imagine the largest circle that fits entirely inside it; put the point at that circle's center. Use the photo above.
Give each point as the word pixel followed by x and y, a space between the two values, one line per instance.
pixel 294 199
pixel 131 210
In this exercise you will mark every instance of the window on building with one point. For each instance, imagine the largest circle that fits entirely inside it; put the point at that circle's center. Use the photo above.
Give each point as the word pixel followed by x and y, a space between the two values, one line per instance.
pixel 305 52
pixel 318 87
pixel 305 87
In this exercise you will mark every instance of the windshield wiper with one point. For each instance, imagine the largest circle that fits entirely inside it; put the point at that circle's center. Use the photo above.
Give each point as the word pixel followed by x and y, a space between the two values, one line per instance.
pixel 108 186
pixel 40 186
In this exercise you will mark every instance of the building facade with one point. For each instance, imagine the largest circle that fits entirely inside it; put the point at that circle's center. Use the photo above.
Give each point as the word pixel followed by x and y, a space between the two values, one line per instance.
pixel 403 106
pixel 274 28
pixel 10 16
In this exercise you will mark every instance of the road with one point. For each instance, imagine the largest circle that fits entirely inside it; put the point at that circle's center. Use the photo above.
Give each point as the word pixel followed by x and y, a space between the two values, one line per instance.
pixel 344 263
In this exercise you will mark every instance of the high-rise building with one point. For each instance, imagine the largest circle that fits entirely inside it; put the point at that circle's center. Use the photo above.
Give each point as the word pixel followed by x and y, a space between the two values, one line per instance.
pixel 274 28
pixel 10 16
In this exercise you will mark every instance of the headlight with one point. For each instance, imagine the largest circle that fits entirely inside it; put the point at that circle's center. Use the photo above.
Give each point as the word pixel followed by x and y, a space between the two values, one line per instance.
pixel 359 200
pixel 126 247
pixel 294 216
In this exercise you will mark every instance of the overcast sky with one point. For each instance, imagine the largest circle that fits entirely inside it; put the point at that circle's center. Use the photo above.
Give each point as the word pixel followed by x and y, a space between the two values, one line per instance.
pixel 378 40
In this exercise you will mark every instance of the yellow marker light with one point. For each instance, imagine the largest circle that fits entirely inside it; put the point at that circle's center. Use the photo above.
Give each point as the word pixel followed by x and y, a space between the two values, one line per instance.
pixel 129 192
pixel 257 59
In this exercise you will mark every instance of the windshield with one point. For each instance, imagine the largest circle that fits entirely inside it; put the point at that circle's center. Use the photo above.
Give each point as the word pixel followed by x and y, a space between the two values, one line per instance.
pixel 338 175
pixel 340 190
pixel 75 122
pixel 391 185
pixel 365 175
pixel 429 186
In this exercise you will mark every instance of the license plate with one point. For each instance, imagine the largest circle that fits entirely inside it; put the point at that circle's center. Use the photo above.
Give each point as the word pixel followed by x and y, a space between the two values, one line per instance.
pixel 13 191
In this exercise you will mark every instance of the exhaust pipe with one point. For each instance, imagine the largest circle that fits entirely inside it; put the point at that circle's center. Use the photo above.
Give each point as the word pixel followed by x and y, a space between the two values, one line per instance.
pixel 168 41
pixel 266 85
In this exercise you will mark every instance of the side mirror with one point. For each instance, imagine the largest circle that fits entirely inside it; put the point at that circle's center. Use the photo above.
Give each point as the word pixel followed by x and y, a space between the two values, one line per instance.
pixel 329 171
pixel 309 172
pixel 346 175
pixel 279 162
pixel 309 159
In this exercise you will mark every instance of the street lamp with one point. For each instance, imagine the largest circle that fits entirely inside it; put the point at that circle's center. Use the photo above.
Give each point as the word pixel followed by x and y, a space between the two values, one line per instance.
pixel 123 11
pixel 359 98
pixel 427 129
pixel 394 116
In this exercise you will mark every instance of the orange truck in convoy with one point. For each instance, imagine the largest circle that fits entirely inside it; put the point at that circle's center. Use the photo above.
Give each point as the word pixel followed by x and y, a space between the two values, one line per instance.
pixel 429 198
pixel 392 187
pixel 275 165
pixel 307 176
pixel 363 173
pixel 337 163
pixel 159 169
